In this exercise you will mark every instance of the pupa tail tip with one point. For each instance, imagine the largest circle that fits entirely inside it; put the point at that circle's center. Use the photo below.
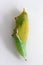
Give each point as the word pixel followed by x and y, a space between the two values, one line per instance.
pixel 25 59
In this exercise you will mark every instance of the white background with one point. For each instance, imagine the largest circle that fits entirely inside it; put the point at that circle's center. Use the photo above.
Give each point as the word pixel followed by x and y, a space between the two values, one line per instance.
pixel 8 10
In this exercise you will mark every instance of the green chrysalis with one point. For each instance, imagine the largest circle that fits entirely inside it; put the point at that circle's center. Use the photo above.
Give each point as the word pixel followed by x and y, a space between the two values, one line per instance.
pixel 20 32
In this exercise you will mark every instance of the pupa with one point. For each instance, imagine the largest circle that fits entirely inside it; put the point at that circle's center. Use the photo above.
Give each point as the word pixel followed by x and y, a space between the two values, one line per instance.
pixel 20 33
